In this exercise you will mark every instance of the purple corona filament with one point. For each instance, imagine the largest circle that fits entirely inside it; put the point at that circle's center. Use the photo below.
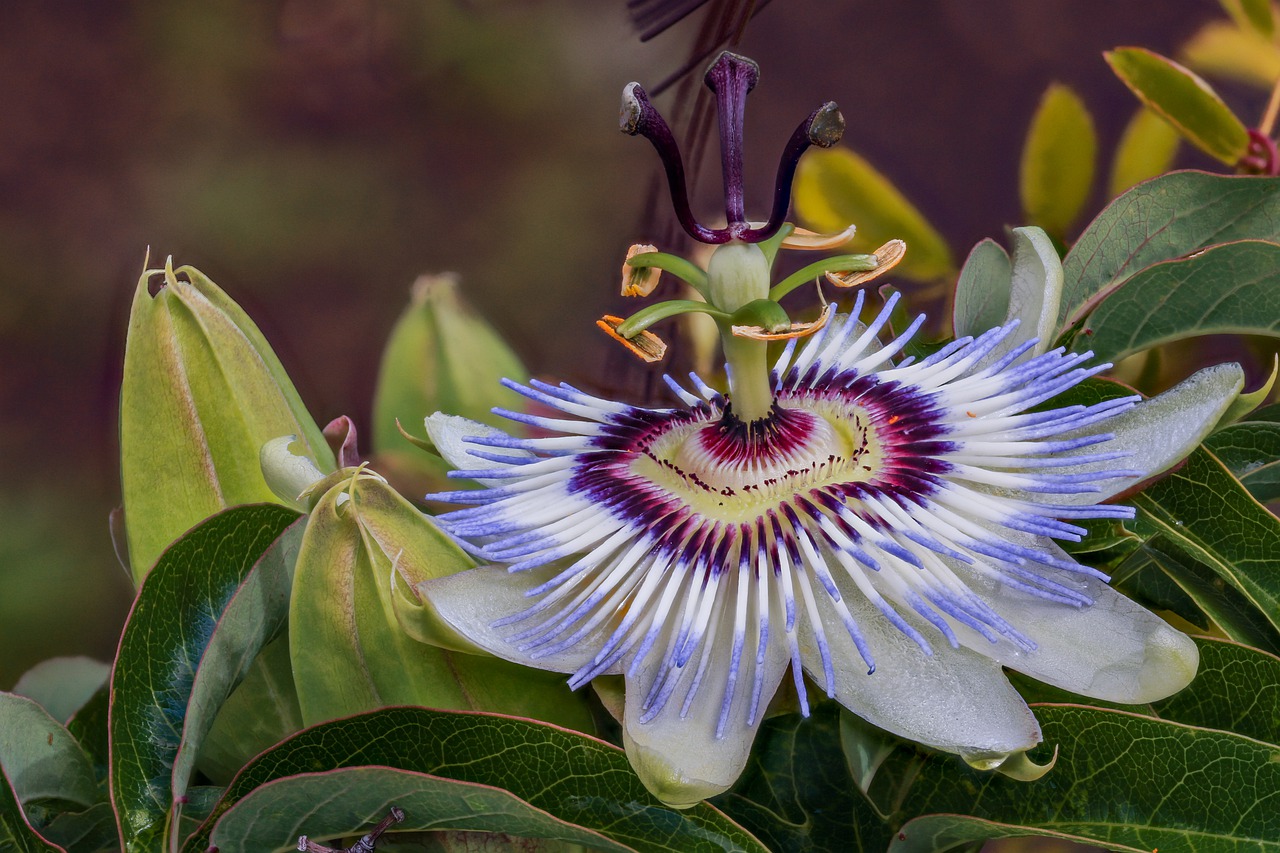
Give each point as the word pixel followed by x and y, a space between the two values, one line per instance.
pixel 731 78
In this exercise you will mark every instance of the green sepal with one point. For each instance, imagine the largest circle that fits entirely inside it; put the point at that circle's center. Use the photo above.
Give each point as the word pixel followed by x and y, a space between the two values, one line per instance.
pixel 202 393
pixel 364 544
pixel 1245 403
pixel 441 356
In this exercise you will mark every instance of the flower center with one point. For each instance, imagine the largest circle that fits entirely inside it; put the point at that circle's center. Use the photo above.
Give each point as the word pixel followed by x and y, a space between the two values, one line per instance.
pixel 731 471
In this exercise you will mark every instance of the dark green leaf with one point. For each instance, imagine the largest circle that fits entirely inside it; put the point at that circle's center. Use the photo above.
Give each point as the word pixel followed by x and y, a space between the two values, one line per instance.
pixel 1228 288
pixel 798 793
pixel 339 803
pixel 40 758
pixel 1125 781
pixel 982 292
pixel 89 727
pixel 1169 217
pixel 1209 516
pixel 1237 689
pixel 572 777
pixel 89 831
pixel 1184 100
pixel 214 598
pixel 1164 576
pixel 261 712
pixel 16 833
pixel 1251 451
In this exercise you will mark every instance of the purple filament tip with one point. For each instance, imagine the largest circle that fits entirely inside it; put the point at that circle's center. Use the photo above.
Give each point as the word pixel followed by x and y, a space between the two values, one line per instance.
pixel 731 78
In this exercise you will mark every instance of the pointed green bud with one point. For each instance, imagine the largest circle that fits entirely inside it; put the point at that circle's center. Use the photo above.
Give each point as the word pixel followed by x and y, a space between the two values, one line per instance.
pixel 202 393
pixel 364 547
pixel 442 356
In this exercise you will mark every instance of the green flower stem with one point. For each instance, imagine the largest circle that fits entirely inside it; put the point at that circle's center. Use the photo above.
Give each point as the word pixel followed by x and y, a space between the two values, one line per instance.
pixel 647 316
pixel 686 271
pixel 749 388
pixel 835 263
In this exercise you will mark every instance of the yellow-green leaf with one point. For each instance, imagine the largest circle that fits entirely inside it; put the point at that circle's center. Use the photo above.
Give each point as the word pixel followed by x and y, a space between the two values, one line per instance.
pixel 1057 161
pixel 1184 100
pixel 1251 14
pixel 836 187
pixel 1146 149
pixel 1222 49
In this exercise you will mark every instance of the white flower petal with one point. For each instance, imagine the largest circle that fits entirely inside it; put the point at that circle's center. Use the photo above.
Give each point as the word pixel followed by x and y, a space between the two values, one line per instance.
pixel 681 759
pixel 954 700
pixel 447 433
pixel 1036 293
pixel 1160 432
pixel 1115 649
pixel 470 602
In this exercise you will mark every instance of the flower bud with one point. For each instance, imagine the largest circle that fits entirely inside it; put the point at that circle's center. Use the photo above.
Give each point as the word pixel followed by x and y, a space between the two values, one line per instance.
pixel 364 546
pixel 202 393
pixel 441 356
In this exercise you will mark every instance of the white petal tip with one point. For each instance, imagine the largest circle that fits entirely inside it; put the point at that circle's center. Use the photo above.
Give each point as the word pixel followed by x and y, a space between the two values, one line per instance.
pixel 668 782
pixel 1169 665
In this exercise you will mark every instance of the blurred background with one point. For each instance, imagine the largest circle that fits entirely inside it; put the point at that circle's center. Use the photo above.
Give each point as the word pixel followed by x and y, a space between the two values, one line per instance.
pixel 314 156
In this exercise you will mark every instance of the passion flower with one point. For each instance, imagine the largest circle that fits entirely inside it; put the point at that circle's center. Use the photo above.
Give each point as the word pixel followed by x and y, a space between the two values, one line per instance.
pixel 883 523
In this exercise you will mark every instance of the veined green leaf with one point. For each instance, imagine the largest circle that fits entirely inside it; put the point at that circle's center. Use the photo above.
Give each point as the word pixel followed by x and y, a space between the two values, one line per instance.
pixel 1146 149
pixel 1228 288
pixel 1211 518
pixel 835 187
pixel 16 833
pixel 1184 100
pixel 1165 218
pixel 88 831
pixel 214 598
pixel 89 727
pixel 1250 449
pixel 263 710
pixel 1129 782
pixel 40 757
pixel 338 803
pixel 1164 576
pixel 572 777
pixel 798 793
pixel 1058 160
pixel 982 291
pixel 1237 689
